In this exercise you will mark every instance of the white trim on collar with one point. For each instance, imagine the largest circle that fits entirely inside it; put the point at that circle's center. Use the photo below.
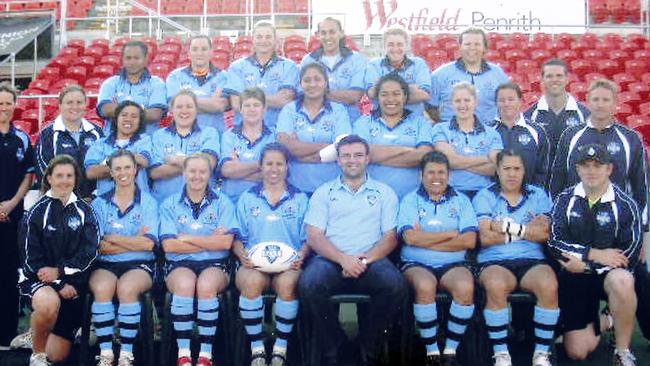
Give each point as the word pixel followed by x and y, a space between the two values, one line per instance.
pixel 73 197
pixel 60 126
pixel 608 196
pixel 571 103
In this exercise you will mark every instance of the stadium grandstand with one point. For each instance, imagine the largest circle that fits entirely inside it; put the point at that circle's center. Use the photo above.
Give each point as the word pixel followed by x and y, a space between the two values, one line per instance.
pixel 46 46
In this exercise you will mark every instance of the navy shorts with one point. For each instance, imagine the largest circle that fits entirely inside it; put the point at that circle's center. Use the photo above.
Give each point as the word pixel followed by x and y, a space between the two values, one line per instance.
pixel 518 267
pixel 437 272
pixel 580 296
pixel 120 268
pixel 199 266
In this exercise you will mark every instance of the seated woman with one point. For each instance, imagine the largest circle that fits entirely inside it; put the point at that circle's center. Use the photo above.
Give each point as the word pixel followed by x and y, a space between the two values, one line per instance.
pixel 257 213
pixel 241 145
pixel 197 227
pixel 127 132
pixel 59 239
pixel 514 226
pixel 470 146
pixel 398 138
pixel 173 144
pixel 308 125
pixel 438 226
pixel 128 220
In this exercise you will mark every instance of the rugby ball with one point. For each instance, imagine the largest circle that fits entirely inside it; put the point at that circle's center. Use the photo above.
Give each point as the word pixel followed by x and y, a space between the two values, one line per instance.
pixel 272 256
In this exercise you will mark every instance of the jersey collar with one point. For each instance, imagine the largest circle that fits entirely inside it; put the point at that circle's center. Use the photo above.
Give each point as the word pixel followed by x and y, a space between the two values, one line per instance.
pixel 571 103
pixel 376 115
pixel 73 197
pixel 146 75
pixel 527 190
pixel 609 196
pixel 195 128
pixel 385 62
pixel 591 125
pixel 60 126
pixel 137 197
pixel 209 196
pixel 238 131
pixel 258 190
pixel 460 65
pixel 368 184
pixel 520 122
pixel 478 126
pixel 446 196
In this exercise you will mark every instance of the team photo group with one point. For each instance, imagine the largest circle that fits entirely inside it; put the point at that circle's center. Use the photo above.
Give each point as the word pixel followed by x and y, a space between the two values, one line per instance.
pixel 449 185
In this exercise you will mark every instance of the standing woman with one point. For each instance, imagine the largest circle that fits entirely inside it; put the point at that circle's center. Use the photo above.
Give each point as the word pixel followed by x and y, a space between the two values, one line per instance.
pixel 275 75
pixel 470 146
pixel 345 67
pixel 70 134
pixel 17 165
pixel 412 69
pixel 59 239
pixel 205 80
pixel 398 137
pixel 173 144
pixel 128 221
pixel 270 211
pixel 308 125
pixel 197 228
pixel 241 145
pixel 127 132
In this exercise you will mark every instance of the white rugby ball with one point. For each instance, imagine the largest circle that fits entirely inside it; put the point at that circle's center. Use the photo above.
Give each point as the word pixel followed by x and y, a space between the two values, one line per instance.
pixel 272 256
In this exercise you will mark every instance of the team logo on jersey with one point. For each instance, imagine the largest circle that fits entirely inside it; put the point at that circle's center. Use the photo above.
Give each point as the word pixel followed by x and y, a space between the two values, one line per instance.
pixel 374 131
pixel 196 226
pixel 372 199
pixel 434 222
pixel 250 78
pixel 169 149
pixel 272 252
pixel 575 214
pixel 210 218
pixel 572 122
pixel 74 222
pixel 117 225
pixel 524 139
pixel 66 146
pixel 603 218
pixel 20 154
pixel 453 212
pixel 272 217
pixel 88 142
pixel 194 144
pixel 255 211
pixel 408 76
pixel 182 219
pixel 613 147
pixel 327 126
pixel 422 213
pixel 345 73
pixel 300 122
pixel 289 212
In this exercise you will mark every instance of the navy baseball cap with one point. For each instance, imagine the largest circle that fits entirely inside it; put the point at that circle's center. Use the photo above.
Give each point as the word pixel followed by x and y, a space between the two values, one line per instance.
pixel 594 152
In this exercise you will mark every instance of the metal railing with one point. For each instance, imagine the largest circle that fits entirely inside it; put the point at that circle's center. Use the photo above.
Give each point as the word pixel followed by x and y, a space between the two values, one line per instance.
pixel 41 109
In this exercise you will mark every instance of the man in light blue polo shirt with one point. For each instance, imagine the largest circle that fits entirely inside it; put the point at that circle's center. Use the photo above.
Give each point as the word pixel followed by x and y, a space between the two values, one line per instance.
pixel 470 67
pixel 345 68
pixel 351 224
pixel 277 76
pixel 133 82
pixel 205 80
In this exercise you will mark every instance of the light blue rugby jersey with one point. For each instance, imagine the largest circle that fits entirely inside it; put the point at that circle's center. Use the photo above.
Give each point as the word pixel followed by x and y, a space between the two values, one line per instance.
pixel 259 221
pixel 348 73
pixel 414 71
pixel 177 217
pixel 454 212
pixel 105 147
pixel 247 151
pixel 279 73
pixel 331 122
pixel 490 204
pixel 168 142
pixel 481 141
pixel 142 212
pixel 182 78
pixel 412 131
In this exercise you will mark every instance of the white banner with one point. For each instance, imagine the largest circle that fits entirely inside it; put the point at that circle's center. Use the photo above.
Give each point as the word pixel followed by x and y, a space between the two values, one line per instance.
pixel 435 16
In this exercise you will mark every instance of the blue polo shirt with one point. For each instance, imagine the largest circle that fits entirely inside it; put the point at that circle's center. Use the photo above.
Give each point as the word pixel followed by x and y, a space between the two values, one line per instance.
pixel 412 131
pixel 234 140
pixel 149 92
pixel 260 221
pixel 485 81
pixel 347 74
pixel 414 71
pixel 143 211
pixel 103 148
pixel 279 73
pixel 330 122
pixel 530 140
pixel 167 142
pixel 491 205
pixel 203 87
pixel 353 221
pixel 481 141
pixel 454 212
pixel 179 216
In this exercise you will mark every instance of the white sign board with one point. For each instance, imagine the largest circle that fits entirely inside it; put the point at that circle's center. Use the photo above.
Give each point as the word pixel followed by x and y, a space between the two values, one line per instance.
pixel 435 16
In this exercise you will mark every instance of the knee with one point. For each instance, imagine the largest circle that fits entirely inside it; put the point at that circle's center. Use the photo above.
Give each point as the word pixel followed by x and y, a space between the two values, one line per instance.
pixel 424 288
pixel 205 289
pixel 579 350
pixel 127 292
pixel 547 293
pixel 57 356
pixel 47 305
pixel 577 354
pixel 621 283
pixel 103 291
pixel 286 290
pixel 463 292
pixel 496 288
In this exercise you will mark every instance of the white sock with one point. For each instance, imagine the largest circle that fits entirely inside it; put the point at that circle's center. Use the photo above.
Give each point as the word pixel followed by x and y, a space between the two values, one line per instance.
pixel 184 352
pixel 206 355
pixel 107 352
pixel 280 350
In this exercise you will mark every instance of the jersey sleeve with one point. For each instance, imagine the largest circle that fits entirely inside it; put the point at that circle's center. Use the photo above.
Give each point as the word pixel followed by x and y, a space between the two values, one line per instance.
pixel 342 125
pixel 157 153
pixel 227 147
pixel 318 210
pixel 95 154
pixel 144 147
pixel 467 220
pixel 158 96
pixel 106 95
pixel 210 143
pixel 389 208
pixel 242 215
pixel 560 243
pixel 291 76
pixel 358 69
pixel 483 204
pixel 285 119
pixel 100 213
pixel 372 74
pixel 422 76
pixel 151 219
pixel 362 128
pixel 407 214
pixel 424 133
pixel 235 84
pixel 168 228
pixel 494 139
pixel 76 268
pixel 227 218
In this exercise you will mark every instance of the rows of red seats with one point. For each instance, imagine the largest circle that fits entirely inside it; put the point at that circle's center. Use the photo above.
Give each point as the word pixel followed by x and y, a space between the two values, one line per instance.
pixel 193 7
pixel 615 11
pixel 75 8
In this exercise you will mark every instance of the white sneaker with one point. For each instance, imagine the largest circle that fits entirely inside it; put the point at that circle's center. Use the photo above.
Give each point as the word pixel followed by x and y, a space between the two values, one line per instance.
pixel 502 359
pixel 39 359
pixel 541 358
pixel 23 340
pixel 624 358
pixel 126 359
pixel 105 359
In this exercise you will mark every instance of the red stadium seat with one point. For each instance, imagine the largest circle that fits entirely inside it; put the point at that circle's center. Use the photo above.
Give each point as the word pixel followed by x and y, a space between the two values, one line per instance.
pixel 567 55
pixel 102 71
pixel 635 67
pixel 519 38
pixel 494 38
pixel 452 48
pixel 580 46
pixel 593 76
pixel 617 11
pixel 644 109
pixel 492 55
pixel 606 47
pixel 295 47
pixel 166 58
pixel 172 48
pixel 437 54
pixel 96 52
pixel 599 13
pixel 642 89
pixel 565 38
pixel 612 38
pixel 161 70
pixel 638 38
pixel 542 37
pixel 515 55
pixel 589 38
pixel 592 54
pixel 555 47
pixel 505 45
pixel 121 42
pixel 87 62
pixel 435 62
pixel 623 80
pixel 49 73
pixel 244 40
pixel 222 43
pixel 619 56
pixel 628 46
pixel 21 105
pixel 608 67
pixel 70 52
pixel 631 98
pixel 525 66
pixel 623 111
pixel 579 90
pixel 646 78
pixel 25 126
pixel 77 73
pixel 61 62
pixel 540 56
pixel 111 60
pixel 79 44
pixel 313 44
pixel 59 85
pixel 220 62
pixel 443 38
pixel 637 120
pixel 420 43
pixel 581 67
pixel 642 54
pixel 93 83
pixel 100 42
pixel 173 40
pixel 30 116
pixel 296 56
pixel 41 85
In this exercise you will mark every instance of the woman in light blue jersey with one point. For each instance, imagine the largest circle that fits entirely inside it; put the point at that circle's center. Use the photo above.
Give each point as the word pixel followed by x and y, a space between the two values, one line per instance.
pixel 128 222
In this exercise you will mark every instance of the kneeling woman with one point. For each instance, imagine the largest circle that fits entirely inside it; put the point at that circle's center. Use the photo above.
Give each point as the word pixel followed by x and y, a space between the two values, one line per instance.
pixel 197 227
pixel 270 211
pixel 514 226
pixel 59 238
pixel 128 219
pixel 438 226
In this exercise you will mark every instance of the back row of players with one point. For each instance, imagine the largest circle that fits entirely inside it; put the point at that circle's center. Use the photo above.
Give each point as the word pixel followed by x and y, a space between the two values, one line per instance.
pixel 398 137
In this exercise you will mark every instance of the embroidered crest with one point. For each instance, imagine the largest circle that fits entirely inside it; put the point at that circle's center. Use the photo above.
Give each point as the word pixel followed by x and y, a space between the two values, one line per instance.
pixel 422 213
pixel 372 199
pixel 524 139
pixel 20 154
pixel 74 222
pixel 603 218
pixel 613 147
pixel 255 211
pixel 272 252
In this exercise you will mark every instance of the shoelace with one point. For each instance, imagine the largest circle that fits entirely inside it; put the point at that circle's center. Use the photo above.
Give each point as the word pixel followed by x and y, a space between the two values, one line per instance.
pixel 627 358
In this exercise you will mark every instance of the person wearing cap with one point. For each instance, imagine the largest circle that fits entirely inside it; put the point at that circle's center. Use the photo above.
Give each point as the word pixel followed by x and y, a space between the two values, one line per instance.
pixel 596 238
pixel 350 226
pixel 556 110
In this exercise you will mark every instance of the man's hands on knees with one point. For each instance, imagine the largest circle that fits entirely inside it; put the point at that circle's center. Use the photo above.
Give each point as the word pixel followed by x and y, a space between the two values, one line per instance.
pixel 68 292
pixel 609 257
pixel 48 274
pixel 353 266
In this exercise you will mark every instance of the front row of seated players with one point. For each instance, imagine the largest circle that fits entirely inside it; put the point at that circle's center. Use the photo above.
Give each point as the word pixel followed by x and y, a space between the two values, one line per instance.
pixel 351 226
